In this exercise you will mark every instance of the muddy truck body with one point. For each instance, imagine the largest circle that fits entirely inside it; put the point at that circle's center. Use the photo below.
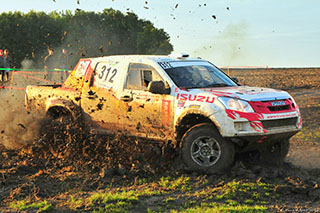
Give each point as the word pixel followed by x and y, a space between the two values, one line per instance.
pixel 189 103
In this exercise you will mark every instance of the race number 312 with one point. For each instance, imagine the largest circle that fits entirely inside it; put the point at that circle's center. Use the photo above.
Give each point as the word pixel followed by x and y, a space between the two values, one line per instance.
pixel 105 73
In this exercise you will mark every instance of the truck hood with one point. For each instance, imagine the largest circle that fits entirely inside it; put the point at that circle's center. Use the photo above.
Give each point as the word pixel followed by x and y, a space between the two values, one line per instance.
pixel 248 93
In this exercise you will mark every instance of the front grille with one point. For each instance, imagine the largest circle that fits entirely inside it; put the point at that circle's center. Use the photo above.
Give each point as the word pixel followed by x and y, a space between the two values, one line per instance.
pixel 279 123
pixel 267 107
pixel 278 108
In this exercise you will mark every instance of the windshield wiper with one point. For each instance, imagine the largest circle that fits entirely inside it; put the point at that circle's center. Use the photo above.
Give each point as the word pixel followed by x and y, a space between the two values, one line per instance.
pixel 208 86
pixel 193 87
pixel 217 85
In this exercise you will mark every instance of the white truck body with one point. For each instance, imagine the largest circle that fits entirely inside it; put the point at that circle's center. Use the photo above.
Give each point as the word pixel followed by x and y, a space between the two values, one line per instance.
pixel 114 95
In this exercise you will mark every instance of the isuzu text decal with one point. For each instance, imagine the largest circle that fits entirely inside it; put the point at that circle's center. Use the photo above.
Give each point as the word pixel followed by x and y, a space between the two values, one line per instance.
pixel 278 103
pixel 199 98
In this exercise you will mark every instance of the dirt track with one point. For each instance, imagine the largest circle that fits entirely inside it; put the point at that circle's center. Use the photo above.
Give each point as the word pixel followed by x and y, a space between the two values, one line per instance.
pixel 55 171
pixel 304 85
pixel 305 146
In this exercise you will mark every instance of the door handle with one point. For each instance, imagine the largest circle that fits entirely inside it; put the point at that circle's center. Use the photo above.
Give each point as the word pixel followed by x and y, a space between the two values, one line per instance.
pixel 126 98
pixel 91 96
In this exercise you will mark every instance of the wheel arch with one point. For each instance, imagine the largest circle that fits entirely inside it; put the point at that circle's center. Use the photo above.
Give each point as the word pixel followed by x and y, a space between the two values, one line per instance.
pixel 191 119
pixel 58 111
pixel 56 108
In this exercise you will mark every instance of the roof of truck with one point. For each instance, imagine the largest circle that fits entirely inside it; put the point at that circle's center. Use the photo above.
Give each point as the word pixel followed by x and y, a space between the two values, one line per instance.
pixel 156 58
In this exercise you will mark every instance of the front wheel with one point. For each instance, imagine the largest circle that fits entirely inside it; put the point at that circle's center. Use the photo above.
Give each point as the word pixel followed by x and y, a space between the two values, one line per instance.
pixel 204 150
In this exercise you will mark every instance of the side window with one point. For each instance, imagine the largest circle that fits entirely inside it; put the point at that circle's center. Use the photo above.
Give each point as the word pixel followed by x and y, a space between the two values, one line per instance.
pixel 140 75
pixel 134 80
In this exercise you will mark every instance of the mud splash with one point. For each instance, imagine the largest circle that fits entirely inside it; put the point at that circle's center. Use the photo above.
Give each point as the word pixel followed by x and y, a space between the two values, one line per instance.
pixel 18 128
pixel 65 142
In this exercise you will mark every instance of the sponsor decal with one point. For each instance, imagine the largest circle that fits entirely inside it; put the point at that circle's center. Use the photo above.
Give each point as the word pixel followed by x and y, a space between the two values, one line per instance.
pixel 81 70
pixel 165 65
pixel 148 97
pixel 194 106
pixel 198 98
pixel 165 112
pixel 287 115
pixel 181 103
pixel 278 103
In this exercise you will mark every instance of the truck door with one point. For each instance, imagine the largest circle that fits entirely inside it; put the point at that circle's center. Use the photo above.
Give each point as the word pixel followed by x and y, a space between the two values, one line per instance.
pixel 99 101
pixel 147 114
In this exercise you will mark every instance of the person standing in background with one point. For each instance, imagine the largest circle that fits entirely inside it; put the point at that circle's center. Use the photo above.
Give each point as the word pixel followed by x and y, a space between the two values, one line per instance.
pixel 64 64
pixel 2 71
pixel 48 65
pixel 7 63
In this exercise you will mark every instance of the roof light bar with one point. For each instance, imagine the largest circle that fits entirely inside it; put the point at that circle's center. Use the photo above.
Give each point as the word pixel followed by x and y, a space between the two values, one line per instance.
pixel 179 56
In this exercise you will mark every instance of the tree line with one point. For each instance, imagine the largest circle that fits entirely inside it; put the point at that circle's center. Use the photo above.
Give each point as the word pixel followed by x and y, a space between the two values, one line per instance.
pixel 82 33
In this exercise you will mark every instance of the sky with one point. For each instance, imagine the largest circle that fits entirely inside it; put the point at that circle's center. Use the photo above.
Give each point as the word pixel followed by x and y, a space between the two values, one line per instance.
pixel 273 33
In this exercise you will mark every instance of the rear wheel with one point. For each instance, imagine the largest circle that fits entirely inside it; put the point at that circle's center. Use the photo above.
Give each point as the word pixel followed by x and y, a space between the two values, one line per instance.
pixel 204 150
pixel 61 128
pixel 61 137
pixel 55 131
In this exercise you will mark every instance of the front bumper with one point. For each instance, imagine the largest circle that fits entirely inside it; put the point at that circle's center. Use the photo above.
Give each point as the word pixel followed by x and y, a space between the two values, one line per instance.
pixel 249 143
pixel 240 124
pixel 252 131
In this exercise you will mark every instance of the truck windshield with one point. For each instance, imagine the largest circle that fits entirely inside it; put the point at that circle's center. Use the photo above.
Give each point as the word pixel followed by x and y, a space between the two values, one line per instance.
pixel 198 76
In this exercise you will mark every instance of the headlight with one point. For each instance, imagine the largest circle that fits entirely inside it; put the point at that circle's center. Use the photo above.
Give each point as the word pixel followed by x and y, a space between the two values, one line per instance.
pixel 236 104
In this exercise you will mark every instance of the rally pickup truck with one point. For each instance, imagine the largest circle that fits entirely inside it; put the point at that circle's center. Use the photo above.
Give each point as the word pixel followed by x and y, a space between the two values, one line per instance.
pixel 189 103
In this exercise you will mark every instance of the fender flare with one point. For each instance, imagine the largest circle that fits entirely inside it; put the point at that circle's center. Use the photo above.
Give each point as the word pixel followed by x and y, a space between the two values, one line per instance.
pixel 210 116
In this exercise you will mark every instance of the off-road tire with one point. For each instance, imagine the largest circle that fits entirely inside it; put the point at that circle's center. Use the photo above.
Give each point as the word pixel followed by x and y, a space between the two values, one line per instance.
pixel 275 154
pixel 204 150
pixel 59 122
pixel 53 129
pixel 62 135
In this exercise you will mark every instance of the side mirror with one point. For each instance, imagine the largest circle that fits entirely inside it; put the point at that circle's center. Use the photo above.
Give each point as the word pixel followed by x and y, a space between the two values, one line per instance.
pixel 158 87
pixel 235 79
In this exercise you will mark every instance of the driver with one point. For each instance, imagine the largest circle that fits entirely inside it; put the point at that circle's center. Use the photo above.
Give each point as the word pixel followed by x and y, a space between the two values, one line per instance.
pixel 186 79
